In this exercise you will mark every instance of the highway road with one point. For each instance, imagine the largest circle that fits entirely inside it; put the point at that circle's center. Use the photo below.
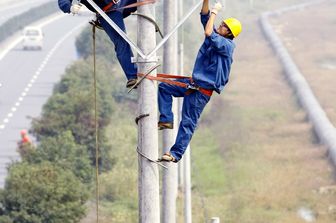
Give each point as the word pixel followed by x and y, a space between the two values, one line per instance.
pixel 28 78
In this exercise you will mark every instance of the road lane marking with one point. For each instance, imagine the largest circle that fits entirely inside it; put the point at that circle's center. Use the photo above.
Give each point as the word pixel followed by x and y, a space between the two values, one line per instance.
pixel 39 70
pixel 19 39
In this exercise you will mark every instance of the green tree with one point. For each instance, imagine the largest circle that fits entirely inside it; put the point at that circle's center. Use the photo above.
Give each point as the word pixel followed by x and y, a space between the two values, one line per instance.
pixel 63 151
pixel 71 108
pixel 72 104
pixel 5 219
pixel 42 193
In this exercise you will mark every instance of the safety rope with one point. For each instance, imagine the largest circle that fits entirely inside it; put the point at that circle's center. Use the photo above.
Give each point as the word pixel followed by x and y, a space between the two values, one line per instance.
pixel 157 28
pixel 143 77
pixel 166 78
pixel 95 119
pixel 150 159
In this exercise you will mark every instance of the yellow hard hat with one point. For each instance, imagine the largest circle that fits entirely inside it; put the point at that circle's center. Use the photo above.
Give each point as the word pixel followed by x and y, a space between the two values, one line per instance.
pixel 234 25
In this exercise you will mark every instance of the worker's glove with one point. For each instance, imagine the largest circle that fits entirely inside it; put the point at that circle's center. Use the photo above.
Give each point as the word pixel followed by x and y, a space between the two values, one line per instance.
pixel 216 8
pixel 75 8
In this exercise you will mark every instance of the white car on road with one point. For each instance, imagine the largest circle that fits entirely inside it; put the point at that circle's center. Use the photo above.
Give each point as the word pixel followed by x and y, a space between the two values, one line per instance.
pixel 32 38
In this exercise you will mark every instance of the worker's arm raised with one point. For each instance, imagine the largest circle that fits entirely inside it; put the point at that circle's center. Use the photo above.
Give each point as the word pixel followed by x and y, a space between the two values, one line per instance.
pixel 210 24
pixel 205 7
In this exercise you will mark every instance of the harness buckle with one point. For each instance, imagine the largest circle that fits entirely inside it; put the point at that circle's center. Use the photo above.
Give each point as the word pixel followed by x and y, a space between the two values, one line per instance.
pixel 193 87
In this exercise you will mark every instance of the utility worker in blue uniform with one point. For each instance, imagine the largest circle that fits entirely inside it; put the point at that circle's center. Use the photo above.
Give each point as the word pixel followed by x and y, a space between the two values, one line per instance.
pixel 122 48
pixel 211 73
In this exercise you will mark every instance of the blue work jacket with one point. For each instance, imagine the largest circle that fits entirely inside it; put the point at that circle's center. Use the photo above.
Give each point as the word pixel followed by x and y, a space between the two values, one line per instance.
pixel 65 5
pixel 213 62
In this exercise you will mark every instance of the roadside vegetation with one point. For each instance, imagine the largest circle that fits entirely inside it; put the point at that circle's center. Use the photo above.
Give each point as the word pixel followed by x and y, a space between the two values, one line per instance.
pixel 59 171
pixel 18 22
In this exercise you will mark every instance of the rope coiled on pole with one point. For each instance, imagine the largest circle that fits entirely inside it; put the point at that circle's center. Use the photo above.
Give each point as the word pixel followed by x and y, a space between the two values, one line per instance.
pixel 95 119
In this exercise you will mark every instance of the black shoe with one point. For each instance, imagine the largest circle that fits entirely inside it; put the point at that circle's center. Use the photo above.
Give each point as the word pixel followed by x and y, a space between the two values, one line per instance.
pixel 165 125
pixel 130 83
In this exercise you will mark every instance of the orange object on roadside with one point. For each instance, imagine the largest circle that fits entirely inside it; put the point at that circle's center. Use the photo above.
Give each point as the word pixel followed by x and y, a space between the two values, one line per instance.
pixel 23 132
pixel 25 139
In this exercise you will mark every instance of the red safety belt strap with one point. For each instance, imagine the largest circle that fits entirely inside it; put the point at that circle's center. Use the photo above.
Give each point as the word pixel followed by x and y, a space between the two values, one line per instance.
pixel 205 91
pixel 165 78
pixel 108 7
pixel 168 81
pixel 172 76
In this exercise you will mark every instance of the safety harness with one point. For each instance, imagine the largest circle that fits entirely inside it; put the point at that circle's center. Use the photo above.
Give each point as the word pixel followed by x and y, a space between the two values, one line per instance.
pixel 108 8
pixel 167 78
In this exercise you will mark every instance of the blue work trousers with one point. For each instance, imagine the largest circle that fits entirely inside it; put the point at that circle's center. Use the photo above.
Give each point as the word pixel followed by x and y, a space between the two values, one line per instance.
pixel 193 105
pixel 122 48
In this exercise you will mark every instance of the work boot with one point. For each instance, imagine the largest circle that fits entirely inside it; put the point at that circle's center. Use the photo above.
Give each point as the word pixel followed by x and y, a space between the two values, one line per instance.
pixel 167 157
pixel 131 82
pixel 165 125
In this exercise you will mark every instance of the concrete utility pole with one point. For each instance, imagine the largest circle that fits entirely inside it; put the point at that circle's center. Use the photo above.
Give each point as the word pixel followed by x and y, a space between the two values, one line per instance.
pixel 187 187
pixel 185 172
pixel 180 100
pixel 149 199
pixel 169 177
